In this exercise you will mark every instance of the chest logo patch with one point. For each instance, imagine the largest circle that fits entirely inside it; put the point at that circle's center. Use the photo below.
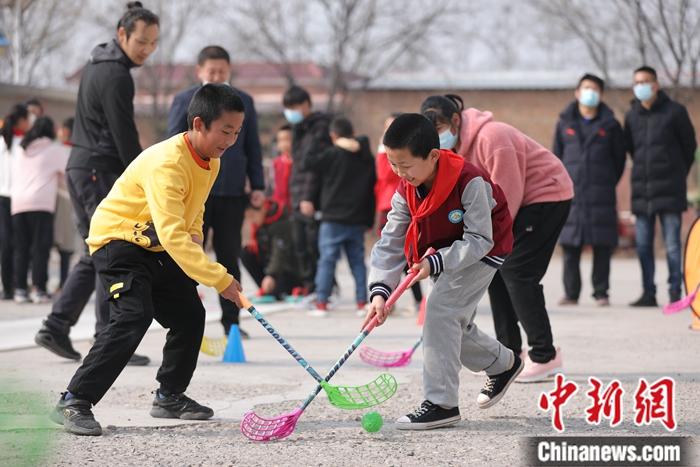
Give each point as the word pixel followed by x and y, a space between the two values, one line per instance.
pixel 455 216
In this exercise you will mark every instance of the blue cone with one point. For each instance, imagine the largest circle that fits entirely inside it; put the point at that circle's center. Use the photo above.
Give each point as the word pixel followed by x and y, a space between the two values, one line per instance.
pixel 234 348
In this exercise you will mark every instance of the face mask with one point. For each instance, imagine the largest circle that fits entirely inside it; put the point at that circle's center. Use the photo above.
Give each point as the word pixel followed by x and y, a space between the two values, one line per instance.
pixel 293 116
pixel 643 91
pixel 225 83
pixel 31 118
pixel 447 139
pixel 589 97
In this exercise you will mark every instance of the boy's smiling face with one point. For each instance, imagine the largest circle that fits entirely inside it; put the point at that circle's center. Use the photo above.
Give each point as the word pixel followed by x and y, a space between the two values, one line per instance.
pixel 222 133
pixel 414 169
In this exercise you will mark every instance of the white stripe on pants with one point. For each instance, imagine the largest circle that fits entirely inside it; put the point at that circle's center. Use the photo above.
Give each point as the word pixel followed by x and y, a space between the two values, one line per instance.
pixel 451 339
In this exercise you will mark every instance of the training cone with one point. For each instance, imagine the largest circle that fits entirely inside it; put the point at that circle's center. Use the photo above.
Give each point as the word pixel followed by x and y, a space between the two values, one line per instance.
pixel 421 313
pixel 234 348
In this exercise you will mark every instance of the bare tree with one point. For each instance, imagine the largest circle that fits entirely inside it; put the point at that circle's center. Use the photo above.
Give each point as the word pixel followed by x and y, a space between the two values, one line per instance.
pixel 35 28
pixel 356 39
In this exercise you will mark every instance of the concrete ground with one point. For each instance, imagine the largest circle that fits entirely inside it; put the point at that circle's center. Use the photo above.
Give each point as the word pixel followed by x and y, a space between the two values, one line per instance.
pixel 616 342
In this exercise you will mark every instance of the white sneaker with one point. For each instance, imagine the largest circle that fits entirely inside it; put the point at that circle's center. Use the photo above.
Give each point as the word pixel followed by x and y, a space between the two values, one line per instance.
pixel 21 296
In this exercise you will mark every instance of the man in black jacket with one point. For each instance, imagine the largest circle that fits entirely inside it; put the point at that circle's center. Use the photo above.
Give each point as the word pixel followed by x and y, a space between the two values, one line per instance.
pixel 661 141
pixel 105 141
pixel 346 176
pixel 310 135
pixel 589 141
pixel 225 208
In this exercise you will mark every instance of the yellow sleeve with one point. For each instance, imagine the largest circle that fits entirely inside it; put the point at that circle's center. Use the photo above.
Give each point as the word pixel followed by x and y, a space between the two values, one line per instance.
pixel 164 195
pixel 198 225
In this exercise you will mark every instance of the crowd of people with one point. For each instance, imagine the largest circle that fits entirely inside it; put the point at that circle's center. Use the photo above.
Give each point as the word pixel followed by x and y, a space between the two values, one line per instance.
pixel 493 202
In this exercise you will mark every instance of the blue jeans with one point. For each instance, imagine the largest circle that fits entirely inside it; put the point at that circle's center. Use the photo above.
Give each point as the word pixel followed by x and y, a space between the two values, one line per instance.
pixel 671 228
pixel 331 238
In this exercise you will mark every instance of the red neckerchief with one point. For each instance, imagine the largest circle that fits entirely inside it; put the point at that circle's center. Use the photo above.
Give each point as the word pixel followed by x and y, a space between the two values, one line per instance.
pixel 203 163
pixel 17 132
pixel 449 167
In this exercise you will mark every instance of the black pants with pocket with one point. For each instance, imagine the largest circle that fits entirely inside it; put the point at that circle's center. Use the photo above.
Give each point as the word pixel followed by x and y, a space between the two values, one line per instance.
pixel 515 292
pixel 224 216
pixel 305 238
pixel 7 261
pixel 33 232
pixel 87 188
pixel 140 286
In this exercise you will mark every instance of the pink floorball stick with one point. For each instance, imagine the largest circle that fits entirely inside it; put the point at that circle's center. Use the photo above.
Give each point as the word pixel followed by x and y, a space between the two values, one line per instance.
pixel 257 428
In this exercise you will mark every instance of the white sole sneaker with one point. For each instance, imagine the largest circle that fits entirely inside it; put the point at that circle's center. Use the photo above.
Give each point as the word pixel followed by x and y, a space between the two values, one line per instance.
pixel 404 423
pixel 491 402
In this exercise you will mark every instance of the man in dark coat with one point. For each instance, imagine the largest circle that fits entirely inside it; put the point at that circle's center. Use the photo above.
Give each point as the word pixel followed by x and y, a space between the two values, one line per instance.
pixel 661 141
pixel 590 143
pixel 225 208
pixel 104 142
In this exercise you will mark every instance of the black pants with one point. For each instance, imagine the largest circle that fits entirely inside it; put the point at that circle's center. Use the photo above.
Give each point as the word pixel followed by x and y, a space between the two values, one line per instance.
pixel 515 292
pixel 284 283
pixel 65 257
pixel 7 269
pixel 601 271
pixel 305 237
pixel 139 286
pixel 86 188
pixel 224 216
pixel 33 232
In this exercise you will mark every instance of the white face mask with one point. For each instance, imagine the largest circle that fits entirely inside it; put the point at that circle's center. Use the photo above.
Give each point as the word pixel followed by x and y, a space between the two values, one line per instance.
pixel 31 118
pixel 447 139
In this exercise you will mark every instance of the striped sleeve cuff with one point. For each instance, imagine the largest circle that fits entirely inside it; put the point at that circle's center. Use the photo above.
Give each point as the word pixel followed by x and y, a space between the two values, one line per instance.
pixel 436 264
pixel 380 289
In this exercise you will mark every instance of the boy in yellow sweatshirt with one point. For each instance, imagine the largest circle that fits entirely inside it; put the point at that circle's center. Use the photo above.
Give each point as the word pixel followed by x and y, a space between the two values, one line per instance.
pixel 146 243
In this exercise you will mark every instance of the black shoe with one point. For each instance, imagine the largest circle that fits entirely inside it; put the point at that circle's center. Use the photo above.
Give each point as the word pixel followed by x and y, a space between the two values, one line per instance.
pixel 645 300
pixel 179 406
pixel 427 417
pixel 138 360
pixel 57 343
pixel 497 385
pixel 76 416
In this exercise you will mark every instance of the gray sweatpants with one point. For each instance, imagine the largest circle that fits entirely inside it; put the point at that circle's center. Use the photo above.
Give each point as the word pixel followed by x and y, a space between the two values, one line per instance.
pixel 451 339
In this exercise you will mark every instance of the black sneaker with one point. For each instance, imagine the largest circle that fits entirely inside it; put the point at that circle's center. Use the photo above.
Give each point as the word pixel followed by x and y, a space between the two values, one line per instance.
pixel 138 360
pixel 497 385
pixel 427 417
pixel 76 416
pixel 179 406
pixel 645 300
pixel 57 343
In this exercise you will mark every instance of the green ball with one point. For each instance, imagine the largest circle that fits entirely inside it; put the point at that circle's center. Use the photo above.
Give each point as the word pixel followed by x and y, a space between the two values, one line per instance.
pixel 372 422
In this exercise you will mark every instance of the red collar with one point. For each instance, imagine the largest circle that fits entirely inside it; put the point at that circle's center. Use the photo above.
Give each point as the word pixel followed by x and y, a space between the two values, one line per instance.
pixel 203 163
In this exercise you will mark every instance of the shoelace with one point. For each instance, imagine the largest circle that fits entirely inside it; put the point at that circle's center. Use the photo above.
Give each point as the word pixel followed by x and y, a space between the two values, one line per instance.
pixel 422 409
pixel 488 386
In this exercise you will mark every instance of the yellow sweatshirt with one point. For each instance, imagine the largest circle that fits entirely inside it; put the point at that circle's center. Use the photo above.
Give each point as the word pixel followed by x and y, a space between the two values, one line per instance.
pixel 158 204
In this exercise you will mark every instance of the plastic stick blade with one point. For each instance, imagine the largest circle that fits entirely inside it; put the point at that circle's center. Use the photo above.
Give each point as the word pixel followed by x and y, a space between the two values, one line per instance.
pixel 257 428
pixel 382 359
pixel 212 346
pixel 680 305
pixel 362 397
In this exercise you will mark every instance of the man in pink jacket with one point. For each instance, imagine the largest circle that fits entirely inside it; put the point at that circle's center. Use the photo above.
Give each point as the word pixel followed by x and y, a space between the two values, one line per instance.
pixel 538 191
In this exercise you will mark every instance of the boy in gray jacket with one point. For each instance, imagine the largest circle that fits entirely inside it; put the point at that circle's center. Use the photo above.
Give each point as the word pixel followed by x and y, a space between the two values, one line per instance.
pixel 449 204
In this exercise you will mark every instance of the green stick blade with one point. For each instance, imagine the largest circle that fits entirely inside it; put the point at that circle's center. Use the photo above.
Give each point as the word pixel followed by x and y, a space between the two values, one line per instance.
pixel 361 397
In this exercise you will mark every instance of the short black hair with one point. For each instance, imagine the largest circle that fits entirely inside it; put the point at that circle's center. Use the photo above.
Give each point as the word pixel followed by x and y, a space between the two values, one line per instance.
pixel 591 77
pixel 210 101
pixel 342 127
pixel 136 12
pixel 647 69
pixel 413 132
pixel 68 123
pixel 34 101
pixel 439 109
pixel 43 127
pixel 212 52
pixel 17 113
pixel 295 95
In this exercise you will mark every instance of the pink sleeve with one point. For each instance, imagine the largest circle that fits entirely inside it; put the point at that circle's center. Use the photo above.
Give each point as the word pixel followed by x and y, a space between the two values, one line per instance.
pixel 507 170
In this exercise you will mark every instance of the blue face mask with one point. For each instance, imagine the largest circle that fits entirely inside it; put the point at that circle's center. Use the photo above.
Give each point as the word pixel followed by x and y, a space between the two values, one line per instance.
pixel 447 139
pixel 589 97
pixel 643 91
pixel 293 116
